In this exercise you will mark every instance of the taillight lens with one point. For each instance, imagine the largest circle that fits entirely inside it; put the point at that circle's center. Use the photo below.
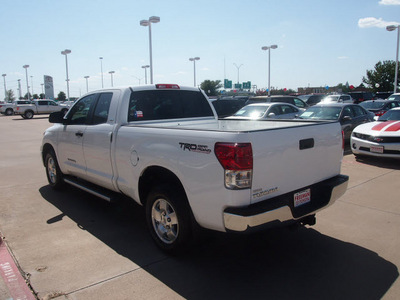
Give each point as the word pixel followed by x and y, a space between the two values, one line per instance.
pixel 380 113
pixel 237 161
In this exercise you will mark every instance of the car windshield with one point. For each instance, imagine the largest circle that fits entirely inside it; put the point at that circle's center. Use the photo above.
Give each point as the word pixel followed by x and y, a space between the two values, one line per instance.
pixel 372 104
pixel 391 115
pixel 253 112
pixel 394 97
pixel 322 113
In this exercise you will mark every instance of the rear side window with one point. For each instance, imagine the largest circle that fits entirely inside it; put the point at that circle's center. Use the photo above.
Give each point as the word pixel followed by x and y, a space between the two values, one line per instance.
pixel 167 104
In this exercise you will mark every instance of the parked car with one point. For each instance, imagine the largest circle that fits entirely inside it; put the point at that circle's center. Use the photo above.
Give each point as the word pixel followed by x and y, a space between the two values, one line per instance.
pixel 349 115
pixel 280 98
pixel 361 96
pixel 227 107
pixel 395 96
pixel 380 107
pixel 339 98
pixel 382 95
pixel 8 108
pixel 312 99
pixel 277 110
pixel 380 138
pixel 39 107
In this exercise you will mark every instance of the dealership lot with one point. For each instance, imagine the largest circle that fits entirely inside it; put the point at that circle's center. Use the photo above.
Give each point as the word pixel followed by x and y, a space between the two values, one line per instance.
pixel 71 245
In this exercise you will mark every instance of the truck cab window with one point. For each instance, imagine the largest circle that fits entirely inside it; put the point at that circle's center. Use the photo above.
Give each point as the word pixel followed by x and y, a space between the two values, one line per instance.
pixel 79 113
pixel 102 107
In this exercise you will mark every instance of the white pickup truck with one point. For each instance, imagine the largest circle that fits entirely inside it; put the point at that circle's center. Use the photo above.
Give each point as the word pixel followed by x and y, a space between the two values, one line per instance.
pixel 39 107
pixel 8 108
pixel 164 147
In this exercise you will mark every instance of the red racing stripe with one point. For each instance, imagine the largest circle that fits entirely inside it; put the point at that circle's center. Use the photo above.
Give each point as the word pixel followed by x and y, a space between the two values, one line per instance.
pixel 380 126
pixel 394 127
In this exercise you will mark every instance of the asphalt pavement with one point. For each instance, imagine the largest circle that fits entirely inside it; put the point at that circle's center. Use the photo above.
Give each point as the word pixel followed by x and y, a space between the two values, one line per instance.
pixel 71 245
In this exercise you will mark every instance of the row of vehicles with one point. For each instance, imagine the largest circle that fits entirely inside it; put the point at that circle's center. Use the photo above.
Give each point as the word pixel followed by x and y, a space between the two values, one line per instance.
pixel 339 108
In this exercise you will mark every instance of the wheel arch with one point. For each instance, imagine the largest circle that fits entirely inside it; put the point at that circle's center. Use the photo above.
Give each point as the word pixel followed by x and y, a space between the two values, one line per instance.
pixel 156 175
pixel 46 149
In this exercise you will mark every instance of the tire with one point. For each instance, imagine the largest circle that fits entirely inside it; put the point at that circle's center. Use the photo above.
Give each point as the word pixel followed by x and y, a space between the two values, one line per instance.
pixel 9 112
pixel 53 172
pixel 23 116
pixel 28 114
pixel 168 218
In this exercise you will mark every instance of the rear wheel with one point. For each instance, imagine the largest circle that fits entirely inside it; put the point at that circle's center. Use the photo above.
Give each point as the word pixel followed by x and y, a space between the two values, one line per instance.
pixel 28 114
pixel 53 172
pixel 168 218
pixel 9 112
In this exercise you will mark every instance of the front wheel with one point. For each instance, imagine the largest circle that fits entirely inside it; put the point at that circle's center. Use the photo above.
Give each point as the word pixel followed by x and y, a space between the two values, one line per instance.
pixel 28 114
pixel 53 172
pixel 168 218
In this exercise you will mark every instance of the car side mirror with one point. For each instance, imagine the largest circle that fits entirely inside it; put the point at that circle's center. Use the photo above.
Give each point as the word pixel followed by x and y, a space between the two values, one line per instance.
pixel 270 115
pixel 57 117
pixel 346 118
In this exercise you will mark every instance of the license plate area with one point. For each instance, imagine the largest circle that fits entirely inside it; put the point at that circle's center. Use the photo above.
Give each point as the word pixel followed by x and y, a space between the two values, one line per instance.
pixel 302 197
pixel 376 149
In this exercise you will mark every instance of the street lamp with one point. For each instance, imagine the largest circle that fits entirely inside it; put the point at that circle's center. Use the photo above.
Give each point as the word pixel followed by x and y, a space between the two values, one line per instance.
pixel 19 89
pixel 27 84
pixel 32 84
pixel 238 67
pixel 148 22
pixel 392 28
pixel 112 82
pixel 5 87
pixel 66 52
pixel 193 59
pixel 269 64
pixel 145 72
pixel 101 67
pixel 42 84
pixel 87 85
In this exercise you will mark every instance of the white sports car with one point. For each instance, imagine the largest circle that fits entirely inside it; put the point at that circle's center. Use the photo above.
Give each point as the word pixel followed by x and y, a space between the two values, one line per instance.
pixel 380 138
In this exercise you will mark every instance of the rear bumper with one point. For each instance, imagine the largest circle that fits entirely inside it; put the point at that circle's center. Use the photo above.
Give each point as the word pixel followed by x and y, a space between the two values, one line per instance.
pixel 281 208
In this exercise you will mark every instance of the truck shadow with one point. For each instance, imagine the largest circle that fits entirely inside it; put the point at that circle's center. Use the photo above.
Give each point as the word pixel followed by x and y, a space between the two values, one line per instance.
pixel 277 264
pixel 381 162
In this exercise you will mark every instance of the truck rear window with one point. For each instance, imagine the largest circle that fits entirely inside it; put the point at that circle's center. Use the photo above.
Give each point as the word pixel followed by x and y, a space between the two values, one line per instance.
pixel 167 104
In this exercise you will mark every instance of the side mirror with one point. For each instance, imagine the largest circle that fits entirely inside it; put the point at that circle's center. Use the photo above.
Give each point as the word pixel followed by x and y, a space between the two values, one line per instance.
pixel 271 115
pixel 57 117
pixel 346 118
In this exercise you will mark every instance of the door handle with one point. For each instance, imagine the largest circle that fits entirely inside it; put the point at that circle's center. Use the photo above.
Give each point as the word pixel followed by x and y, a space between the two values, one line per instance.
pixel 79 133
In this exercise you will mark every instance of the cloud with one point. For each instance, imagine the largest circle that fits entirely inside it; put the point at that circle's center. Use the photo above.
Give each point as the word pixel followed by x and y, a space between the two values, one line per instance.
pixel 374 22
pixel 389 2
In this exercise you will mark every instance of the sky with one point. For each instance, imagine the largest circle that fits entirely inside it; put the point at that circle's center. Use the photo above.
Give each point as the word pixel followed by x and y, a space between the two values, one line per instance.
pixel 320 43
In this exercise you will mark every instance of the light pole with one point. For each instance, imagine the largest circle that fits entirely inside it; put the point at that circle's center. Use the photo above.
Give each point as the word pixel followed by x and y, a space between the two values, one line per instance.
pixel 238 67
pixel 193 59
pixel 269 64
pixel 112 82
pixel 392 28
pixel 5 87
pixel 19 89
pixel 42 84
pixel 145 72
pixel 101 67
pixel 148 22
pixel 32 84
pixel 27 84
pixel 66 52
pixel 87 85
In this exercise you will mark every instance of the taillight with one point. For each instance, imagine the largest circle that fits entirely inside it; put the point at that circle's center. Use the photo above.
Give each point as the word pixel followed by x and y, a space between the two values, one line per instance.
pixel 167 86
pixel 237 161
pixel 380 113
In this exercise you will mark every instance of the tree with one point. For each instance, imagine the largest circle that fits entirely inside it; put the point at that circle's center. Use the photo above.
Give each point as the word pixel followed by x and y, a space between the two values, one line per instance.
pixel 381 79
pixel 10 96
pixel 42 96
pixel 28 96
pixel 61 96
pixel 35 96
pixel 211 87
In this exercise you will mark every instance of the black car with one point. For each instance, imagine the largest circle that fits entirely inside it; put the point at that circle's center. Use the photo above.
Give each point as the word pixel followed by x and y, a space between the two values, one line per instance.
pixel 281 98
pixel 382 95
pixel 312 99
pixel 361 96
pixel 380 107
pixel 349 115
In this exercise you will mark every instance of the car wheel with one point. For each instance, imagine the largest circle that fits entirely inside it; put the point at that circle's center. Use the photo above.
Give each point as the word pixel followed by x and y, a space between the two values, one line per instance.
pixel 28 114
pixel 168 218
pixel 53 172
pixel 9 112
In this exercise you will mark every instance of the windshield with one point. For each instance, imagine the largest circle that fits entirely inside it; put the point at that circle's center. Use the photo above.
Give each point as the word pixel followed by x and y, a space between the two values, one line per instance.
pixel 391 115
pixel 322 113
pixel 372 104
pixel 394 97
pixel 253 112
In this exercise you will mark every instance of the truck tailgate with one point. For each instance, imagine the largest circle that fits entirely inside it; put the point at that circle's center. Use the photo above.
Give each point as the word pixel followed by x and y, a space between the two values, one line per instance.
pixel 294 158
